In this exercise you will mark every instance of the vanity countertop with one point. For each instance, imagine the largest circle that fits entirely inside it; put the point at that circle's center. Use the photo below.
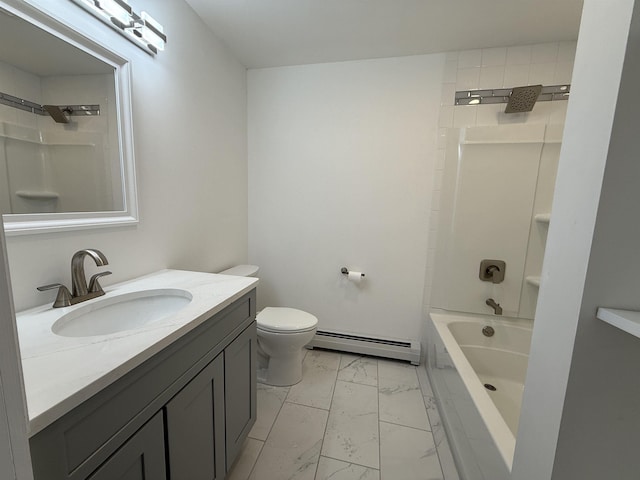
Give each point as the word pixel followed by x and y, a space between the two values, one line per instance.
pixel 62 372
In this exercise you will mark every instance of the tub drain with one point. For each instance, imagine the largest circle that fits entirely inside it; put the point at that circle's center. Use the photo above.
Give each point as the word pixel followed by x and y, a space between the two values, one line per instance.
pixel 488 386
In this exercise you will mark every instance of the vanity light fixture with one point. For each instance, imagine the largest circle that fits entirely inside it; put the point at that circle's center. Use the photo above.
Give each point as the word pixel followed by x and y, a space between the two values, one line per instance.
pixel 141 29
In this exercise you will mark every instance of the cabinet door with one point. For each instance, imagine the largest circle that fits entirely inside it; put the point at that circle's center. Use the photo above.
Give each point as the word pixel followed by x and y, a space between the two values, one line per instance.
pixel 240 390
pixel 140 458
pixel 195 427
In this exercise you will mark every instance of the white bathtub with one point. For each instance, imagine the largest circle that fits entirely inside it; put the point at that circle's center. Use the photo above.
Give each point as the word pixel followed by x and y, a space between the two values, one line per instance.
pixel 499 360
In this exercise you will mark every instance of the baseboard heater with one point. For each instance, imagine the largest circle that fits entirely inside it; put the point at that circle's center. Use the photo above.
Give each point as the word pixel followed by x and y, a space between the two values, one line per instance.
pixel 379 347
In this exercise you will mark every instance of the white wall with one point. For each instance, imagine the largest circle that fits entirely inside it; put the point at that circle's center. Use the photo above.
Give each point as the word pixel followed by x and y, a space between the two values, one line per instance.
pixel 189 120
pixel 341 158
pixel 580 417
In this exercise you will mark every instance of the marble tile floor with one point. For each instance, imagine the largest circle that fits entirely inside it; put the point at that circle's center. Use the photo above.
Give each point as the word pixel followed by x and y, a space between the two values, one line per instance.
pixel 351 417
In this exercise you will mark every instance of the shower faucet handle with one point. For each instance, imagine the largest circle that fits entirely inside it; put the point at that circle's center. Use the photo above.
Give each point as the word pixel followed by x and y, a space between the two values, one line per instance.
pixel 492 270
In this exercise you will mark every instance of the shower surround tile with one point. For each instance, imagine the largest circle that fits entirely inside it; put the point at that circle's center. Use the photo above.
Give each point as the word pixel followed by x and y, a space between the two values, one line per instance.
pixel 470 58
pixel 357 369
pixel 542 73
pixel 319 371
pixel 468 78
pixel 269 402
pixel 352 429
pixel 463 116
pixel 515 76
pixel 408 454
pixel 331 469
pixel 544 53
pixel 519 55
pixel 490 77
pixel 494 56
pixel 293 447
pixel 401 400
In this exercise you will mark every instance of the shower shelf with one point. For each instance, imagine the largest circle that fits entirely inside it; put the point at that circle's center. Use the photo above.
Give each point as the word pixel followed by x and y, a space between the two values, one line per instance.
pixel 37 195
pixel 532 280
pixel 626 320
pixel 542 217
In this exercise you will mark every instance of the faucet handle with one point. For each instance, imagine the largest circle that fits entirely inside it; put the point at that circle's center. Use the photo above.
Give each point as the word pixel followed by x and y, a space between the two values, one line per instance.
pixel 63 299
pixel 94 286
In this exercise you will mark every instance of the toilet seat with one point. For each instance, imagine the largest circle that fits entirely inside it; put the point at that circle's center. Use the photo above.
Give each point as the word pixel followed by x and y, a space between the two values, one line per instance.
pixel 285 320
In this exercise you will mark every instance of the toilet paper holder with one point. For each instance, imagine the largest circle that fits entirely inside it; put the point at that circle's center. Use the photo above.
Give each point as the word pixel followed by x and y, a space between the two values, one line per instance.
pixel 345 271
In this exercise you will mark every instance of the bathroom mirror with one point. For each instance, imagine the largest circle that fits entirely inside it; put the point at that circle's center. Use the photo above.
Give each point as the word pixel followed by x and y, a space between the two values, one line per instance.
pixel 66 156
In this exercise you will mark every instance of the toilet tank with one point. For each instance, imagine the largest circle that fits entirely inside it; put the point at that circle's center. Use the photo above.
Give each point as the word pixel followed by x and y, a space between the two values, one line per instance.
pixel 242 271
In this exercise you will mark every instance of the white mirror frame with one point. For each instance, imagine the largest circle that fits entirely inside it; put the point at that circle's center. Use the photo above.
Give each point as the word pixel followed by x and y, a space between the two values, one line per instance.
pixel 23 224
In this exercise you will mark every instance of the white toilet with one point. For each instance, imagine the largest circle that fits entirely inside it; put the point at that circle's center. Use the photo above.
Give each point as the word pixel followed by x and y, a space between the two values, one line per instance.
pixel 282 335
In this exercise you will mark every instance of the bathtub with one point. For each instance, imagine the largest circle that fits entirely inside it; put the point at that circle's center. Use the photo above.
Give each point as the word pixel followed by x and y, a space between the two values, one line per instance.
pixel 479 382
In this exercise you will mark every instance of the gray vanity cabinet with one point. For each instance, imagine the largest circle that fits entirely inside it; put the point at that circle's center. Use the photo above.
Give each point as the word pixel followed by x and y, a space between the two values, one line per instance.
pixel 239 382
pixel 208 421
pixel 140 458
pixel 196 426
pixel 181 415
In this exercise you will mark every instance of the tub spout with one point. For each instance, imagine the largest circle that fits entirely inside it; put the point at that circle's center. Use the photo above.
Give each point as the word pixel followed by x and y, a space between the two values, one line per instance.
pixel 497 309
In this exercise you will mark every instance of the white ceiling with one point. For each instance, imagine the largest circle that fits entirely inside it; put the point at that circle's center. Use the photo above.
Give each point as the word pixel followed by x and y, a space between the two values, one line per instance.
pixel 266 33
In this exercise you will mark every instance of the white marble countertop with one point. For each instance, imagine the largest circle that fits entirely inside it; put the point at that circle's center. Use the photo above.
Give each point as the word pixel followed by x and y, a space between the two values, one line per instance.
pixel 62 372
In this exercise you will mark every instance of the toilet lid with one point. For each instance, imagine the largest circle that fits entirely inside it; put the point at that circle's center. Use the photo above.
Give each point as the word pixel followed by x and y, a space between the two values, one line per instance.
pixel 282 319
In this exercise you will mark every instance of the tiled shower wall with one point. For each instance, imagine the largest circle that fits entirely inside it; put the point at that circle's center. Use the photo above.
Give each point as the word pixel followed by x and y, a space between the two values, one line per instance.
pixel 546 64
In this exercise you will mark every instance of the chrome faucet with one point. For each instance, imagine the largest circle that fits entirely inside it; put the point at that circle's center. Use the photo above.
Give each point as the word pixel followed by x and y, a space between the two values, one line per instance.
pixel 497 309
pixel 80 291
pixel 79 286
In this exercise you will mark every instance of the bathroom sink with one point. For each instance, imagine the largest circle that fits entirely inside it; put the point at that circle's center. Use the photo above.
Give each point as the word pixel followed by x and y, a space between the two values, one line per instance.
pixel 121 312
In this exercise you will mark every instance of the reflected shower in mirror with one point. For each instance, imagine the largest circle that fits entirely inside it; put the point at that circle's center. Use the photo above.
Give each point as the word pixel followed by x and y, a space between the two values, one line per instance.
pixel 66 152
pixel 58 126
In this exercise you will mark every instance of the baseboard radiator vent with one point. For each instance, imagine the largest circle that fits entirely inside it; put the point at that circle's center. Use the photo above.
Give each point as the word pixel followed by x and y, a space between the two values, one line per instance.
pixel 379 347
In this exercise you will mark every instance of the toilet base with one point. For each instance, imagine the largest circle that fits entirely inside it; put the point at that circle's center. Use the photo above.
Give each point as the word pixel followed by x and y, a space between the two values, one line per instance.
pixel 283 371
pixel 280 356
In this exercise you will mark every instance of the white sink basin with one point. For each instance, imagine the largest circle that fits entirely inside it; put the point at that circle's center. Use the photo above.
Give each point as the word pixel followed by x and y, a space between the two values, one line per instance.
pixel 122 312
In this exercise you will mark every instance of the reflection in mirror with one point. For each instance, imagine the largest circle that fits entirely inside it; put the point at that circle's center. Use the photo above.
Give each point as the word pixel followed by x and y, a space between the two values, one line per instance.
pixel 60 131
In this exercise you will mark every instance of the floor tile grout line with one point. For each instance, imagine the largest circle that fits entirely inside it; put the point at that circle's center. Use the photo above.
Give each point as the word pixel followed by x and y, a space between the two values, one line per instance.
pixel 407 426
pixel 403 425
pixel 324 434
pixel 357 359
pixel 255 462
pixel 305 405
pixel 276 417
pixel 350 462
